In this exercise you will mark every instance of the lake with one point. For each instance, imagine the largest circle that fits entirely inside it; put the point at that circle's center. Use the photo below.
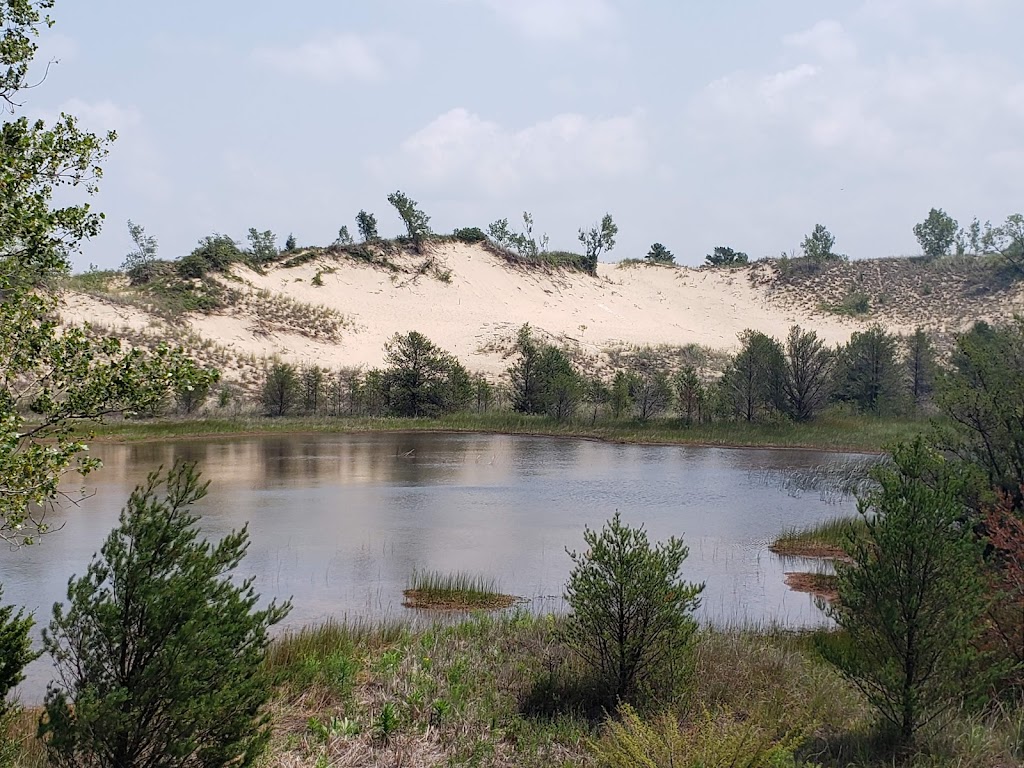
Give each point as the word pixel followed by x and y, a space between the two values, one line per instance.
pixel 339 522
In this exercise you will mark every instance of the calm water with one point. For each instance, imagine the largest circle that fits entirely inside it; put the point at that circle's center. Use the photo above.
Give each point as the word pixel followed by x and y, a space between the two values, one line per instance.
pixel 339 522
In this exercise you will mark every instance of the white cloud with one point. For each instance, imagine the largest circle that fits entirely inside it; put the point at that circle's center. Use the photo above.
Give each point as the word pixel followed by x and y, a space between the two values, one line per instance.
pixel 827 40
pixel 102 116
pixel 554 19
pixel 460 146
pixel 335 58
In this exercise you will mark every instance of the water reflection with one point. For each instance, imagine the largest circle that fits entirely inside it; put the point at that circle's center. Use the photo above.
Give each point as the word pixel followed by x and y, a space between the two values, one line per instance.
pixel 338 522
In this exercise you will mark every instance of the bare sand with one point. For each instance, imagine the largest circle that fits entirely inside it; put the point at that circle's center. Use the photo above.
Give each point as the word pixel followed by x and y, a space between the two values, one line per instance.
pixel 477 311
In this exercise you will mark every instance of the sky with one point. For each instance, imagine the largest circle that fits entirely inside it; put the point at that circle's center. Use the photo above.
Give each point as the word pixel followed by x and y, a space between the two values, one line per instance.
pixel 695 124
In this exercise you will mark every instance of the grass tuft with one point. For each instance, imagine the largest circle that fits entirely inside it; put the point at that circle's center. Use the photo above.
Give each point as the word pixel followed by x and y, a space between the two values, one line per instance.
pixel 454 592
pixel 826 540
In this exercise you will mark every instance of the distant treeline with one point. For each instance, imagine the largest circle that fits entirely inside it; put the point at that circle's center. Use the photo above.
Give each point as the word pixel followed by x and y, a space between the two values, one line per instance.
pixel 768 380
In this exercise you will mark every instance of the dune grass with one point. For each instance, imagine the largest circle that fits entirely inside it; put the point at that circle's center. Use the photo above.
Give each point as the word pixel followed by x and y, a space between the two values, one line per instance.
pixel 454 592
pixel 826 540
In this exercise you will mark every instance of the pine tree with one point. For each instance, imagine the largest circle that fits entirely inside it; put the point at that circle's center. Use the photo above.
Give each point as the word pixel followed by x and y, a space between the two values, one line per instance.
pixel 158 654
pixel 913 597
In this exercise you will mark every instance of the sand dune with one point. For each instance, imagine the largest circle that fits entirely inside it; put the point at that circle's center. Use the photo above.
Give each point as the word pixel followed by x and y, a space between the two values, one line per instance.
pixel 472 302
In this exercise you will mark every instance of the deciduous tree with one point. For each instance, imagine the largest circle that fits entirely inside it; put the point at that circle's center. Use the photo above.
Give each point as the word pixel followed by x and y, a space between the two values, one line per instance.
pixel 936 234
pixel 65 377
pixel 597 240
pixel 417 223
pixel 366 223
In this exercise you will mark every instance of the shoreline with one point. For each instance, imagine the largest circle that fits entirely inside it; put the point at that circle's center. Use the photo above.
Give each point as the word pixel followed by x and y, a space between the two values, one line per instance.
pixel 868 437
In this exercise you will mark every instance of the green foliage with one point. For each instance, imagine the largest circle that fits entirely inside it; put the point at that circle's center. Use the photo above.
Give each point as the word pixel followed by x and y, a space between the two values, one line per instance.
pixel 423 379
pixel 60 376
pixel 713 740
pixel 15 654
pixel 417 223
pixel 290 244
pixel 543 378
pixel 597 240
pixel 752 383
pixel 215 253
pixel 868 371
pixel 524 244
pixel 982 395
pixel 631 619
pixel 724 256
pixel 190 396
pixel 158 653
pixel 818 245
pixel 691 394
pixel 936 234
pixel 344 237
pixel 911 601
pixel 659 254
pixel 366 223
pixel 807 374
pixel 854 304
pixel 144 253
pixel 469 235
pixel 262 246
pixel 280 391
pixel 650 390
pixel 921 366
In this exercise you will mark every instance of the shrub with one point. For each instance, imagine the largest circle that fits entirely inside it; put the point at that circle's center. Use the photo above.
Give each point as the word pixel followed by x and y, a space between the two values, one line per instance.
pixel 659 254
pixel 280 389
pixel 723 256
pixel 159 653
pixel 722 739
pixel 366 223
pixel 912 599
pixel 631 613
pixel 469 235
pixel 215 253
pixel 15 654
pixel 262 245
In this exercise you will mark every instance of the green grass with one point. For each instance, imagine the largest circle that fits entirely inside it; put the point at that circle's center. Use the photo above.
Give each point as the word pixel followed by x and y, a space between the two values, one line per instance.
pixel 830 433
pixel 504 691
pixel 825 540
pixel 454 591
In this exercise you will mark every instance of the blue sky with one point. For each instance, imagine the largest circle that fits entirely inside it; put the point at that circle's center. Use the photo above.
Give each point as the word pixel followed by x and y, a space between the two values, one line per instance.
pixel 734 123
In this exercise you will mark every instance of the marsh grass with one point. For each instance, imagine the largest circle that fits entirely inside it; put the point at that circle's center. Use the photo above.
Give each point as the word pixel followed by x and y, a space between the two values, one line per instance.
pixel 826 540
pixel 828 434
pixel 454 592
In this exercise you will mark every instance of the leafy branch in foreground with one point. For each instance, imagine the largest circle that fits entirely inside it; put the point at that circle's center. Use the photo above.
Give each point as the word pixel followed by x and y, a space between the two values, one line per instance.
pixel 53 379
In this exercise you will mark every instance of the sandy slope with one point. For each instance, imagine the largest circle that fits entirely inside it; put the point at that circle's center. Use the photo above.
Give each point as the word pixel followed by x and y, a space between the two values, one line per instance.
pixel 477 312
